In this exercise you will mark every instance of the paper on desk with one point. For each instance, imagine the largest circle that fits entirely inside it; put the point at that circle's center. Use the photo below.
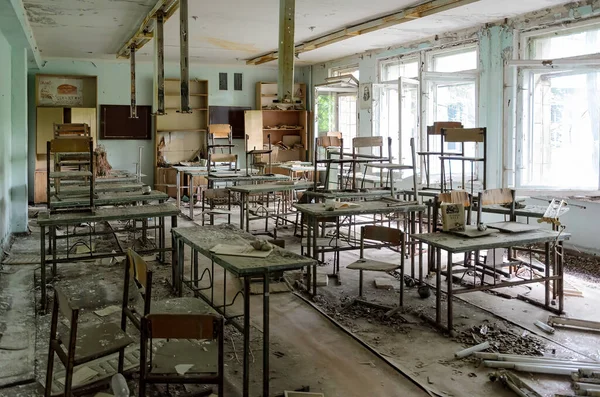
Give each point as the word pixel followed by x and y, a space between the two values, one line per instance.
pixel 346 204
pixel 239 250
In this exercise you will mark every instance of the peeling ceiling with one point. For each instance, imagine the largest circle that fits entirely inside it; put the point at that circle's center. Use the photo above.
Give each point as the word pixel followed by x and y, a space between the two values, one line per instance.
pixel 231 31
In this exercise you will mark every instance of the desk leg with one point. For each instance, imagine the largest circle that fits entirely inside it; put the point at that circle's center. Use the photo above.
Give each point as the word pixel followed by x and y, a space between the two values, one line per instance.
pixel 412 229
pixel 43 266
pixel 315 254
pixel 547 283
pixel 246 359
pixel 561 280
pixel 449 292
pixel 178 194
pixel 242 210
pixel 266 335
pixel 420 247
pixel 438 286
pixel 180 264
pixel 309 225
pixel 247 209
pixel 191 195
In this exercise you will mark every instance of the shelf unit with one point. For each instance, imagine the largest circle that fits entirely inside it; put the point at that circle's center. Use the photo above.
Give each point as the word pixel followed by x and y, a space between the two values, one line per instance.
pixel 266 93
pixel 184 134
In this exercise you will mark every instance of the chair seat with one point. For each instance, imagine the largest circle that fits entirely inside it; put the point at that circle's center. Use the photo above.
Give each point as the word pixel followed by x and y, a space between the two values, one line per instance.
pixel 202 355
pixel 94 341
pixel 372 265
pixel 185 305
pixel 325 242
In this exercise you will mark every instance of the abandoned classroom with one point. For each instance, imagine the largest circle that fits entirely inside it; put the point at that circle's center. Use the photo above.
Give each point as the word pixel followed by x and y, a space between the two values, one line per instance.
pixel 299 198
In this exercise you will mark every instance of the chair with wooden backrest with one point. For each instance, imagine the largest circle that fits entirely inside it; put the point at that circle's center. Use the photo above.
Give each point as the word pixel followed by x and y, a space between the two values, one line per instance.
pixel 77 144
pixel 496 197
pixel 212 198
pixel 391 238
pixel 366 142
pixel 81 344
pixel 462 136
pixel 433 130
pixel 222 158
pixel 194 340
pixel 70 130
pixel 137 302
pixel 327 142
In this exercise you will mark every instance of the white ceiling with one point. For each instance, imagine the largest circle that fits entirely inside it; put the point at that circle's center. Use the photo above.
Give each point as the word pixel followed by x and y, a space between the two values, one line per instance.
pixel 230 31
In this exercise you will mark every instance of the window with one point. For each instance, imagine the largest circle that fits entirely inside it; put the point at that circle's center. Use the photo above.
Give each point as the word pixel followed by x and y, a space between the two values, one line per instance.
pixel 558 143
pixel 454 61
pixel 392 70
pixel 340 71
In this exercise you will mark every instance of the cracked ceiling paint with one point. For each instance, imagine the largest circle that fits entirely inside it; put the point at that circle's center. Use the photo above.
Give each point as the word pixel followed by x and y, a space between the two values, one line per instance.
pixel 230 31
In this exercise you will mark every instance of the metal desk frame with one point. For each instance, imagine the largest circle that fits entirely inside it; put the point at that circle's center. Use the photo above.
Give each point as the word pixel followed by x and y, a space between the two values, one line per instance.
pixel 201 239
pixel 454 244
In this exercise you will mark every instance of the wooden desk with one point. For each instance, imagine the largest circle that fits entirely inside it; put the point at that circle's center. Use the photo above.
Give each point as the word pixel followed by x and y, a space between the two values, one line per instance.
pixel 64 220
pixel 317 211
pixel 201 239
pixel 454 244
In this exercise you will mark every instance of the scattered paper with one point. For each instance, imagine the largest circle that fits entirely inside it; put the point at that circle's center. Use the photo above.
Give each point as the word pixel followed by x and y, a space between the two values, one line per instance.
pixel 83 249
pixel 239 250
pixel 183 368
pixel 108 310
pixel 81 375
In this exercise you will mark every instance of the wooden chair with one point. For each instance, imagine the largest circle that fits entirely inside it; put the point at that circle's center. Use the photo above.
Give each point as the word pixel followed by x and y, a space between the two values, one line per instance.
pixel 138 274
pixel 222 158
pixel 496 197
pixel 366 142
pixel 328 143
pixel 212 198
pixel 463 136
pixel 82 344
pixel 392 238
pixel 183 347
pixel 434 131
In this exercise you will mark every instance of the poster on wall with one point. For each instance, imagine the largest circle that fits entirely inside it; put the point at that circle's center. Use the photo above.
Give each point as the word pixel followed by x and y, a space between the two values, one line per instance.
pixel 60 91
pixel 365 93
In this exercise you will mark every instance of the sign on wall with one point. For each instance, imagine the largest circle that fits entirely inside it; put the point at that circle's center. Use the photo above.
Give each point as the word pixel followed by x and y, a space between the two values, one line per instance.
pixel 365 93
pixel 60 91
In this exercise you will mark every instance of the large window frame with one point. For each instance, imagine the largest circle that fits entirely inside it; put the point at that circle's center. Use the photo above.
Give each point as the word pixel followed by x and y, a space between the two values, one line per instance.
pixel 522 130
pixel 427 81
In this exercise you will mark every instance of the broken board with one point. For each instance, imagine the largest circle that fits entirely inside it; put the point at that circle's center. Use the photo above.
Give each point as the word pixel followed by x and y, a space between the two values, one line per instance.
pixel 473 232
pixel 512 227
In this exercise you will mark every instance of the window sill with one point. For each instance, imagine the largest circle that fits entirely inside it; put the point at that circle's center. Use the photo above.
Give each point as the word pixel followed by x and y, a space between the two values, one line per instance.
pixel 590 196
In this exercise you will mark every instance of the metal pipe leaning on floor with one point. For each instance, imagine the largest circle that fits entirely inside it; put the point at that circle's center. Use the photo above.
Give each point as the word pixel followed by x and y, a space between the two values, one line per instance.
pixel 573 322
pixel 535 359
pixel 477 348
pixel 535 368
pixel 589 373
pixel 544 327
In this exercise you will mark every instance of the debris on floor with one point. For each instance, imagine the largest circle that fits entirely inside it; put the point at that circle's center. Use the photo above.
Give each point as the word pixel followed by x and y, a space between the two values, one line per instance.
pixel 502 341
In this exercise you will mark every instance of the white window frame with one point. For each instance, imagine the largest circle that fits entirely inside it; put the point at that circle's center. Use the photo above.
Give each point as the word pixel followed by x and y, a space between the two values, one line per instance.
pixel 432 54
pixel 343 69
pixel 406 58
pixel 516 131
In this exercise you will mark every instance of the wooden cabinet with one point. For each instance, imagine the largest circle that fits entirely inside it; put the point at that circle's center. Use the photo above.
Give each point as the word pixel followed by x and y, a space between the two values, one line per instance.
pixel 45 120
pixel 289 144
pixel 179 136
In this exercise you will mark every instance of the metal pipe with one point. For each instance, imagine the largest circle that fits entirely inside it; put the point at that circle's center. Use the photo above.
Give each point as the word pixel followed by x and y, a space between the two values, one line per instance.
pixel 471 350
pixel 285 81
pixel 184 56
pixel 539 368
pixel 160 61
pixel 133 109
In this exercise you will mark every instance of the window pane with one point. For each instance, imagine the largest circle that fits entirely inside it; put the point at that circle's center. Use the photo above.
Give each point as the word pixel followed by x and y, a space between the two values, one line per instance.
pixel 561 146
pixel 347 116
pixel 325 113
pixel 564 46
pixel 391 71
pixel 455 62
pixel 342 71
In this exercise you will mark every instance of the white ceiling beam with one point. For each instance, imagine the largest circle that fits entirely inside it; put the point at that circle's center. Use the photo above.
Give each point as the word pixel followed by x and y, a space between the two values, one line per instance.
pixel 145 32
pixel 409 14
pixel 15 26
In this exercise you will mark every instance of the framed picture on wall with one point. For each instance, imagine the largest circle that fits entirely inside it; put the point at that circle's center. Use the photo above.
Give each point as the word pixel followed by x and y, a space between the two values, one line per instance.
pixel 116 124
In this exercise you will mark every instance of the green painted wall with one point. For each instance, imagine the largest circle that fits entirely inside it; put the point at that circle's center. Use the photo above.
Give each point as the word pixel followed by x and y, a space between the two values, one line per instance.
pixel 113 89
pixel 18 158
pixel 5 138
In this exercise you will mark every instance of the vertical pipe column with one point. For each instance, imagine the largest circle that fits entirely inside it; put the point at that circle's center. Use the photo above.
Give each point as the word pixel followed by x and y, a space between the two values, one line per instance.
pixel 184 56
pixel 133 110
pixel 287 10
pixel 160 60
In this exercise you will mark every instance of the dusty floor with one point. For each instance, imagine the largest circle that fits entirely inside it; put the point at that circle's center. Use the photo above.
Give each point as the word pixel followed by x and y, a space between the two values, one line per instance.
pixel 307 349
